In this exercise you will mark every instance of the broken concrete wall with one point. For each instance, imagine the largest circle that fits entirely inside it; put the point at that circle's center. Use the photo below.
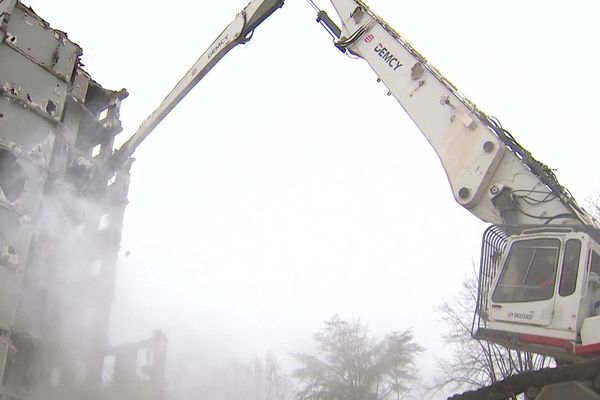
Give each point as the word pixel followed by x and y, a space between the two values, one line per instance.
pixel 61 213
pixel 136 370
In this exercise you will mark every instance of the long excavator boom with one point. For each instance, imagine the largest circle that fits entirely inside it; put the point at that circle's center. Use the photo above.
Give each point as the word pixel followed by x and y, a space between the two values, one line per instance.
pixel 490 174
pixel 237 32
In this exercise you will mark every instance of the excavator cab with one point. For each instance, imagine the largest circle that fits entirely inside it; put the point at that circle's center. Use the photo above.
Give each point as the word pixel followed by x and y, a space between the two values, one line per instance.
pixel 540 290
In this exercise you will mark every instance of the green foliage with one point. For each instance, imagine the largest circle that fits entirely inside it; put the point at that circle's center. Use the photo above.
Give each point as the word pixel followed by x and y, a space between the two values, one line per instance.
pixel 350 365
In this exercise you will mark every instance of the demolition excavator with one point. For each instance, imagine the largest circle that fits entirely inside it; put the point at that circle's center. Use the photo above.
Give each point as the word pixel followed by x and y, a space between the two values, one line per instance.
pixel 539 281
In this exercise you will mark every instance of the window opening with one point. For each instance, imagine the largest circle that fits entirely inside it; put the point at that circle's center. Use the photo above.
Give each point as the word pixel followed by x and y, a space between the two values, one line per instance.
pixel 103 115
pixel 529 272
pixel 594 276
pixel 108 370
pixel 143 369
pixel 96 150
pixel 12 176
pixel 570 266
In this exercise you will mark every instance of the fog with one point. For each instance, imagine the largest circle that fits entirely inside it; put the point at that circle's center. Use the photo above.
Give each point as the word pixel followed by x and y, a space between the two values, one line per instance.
pixel 287 187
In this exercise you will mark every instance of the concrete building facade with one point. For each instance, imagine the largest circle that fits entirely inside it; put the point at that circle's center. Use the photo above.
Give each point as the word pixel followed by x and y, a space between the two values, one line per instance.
pixel 62 202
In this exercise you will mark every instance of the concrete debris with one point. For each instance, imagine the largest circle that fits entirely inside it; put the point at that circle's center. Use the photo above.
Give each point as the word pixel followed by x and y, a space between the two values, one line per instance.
pixel 83 167
pixel 9 258
pixel 10 89
pixel 12 146
pixel 36 153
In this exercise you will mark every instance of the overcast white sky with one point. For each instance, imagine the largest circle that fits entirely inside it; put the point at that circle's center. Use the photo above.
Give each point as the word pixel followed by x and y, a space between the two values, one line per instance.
pixel 288 187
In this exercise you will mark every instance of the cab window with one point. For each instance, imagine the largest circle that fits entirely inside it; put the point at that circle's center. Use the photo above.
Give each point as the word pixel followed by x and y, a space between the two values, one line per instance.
pixel 570 266
pixel 594 268
pixel 529 272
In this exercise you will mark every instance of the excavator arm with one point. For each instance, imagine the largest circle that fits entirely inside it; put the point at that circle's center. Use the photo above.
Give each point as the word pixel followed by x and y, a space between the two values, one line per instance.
pixel 490 174
pixel 237 32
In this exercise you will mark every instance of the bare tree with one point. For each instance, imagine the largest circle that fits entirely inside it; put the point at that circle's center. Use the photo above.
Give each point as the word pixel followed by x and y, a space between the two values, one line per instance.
pixel 474 363
pixel 259 379
pixel 350 365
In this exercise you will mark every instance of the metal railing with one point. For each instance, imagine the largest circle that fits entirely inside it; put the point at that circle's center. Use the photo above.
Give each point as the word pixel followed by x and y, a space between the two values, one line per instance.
pixel 493 247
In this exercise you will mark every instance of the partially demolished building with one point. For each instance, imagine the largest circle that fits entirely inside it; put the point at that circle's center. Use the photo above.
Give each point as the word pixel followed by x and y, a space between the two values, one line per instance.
pixel 61 214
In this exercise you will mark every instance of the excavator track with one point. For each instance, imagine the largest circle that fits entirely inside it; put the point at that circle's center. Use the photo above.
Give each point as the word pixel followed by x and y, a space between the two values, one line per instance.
pixel 587 371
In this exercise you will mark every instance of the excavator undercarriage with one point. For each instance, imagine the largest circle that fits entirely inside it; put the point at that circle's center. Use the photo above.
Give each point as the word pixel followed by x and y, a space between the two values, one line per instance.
pixel 580 381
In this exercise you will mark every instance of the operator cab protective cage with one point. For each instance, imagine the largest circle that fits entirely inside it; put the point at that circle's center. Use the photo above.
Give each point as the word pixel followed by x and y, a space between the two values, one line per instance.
pixel 538 287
